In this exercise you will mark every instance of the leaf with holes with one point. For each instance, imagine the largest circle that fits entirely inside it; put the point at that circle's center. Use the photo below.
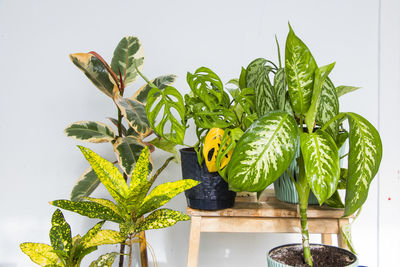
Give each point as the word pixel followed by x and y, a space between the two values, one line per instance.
pixel 88 209
pixel 135 113
pixel 108 174
pixel 263 152
pixel 128 151
pixel 160 219
pixel 321 74
pixel 299 67
pixel 128 55
pixel 207 86
pixel 321 163
pixel 163 193
pixel 41 254
pixel 60 233
pixel 85 185
pixel 365 155
pixel 160 82
pixel 90 131
pixel 228 144
pixel 97 71
pixel 167 102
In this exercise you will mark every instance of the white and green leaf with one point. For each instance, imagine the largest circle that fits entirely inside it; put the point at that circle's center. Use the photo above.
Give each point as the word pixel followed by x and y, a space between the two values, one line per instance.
pixel 128 55
pixel 365 155
pixel 135 113
pixel 299 67
pixel 90 131
pixel 128 151
pixel 321 162
pixel 264 93
pixel 85 185
pixel 252 72
pixel 160 82
pixel 263 152
pixel 280 88
pixel 344 89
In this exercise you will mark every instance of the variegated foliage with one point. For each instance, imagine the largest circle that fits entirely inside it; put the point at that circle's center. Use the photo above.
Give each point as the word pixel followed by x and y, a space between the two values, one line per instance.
pixel 133 201
pixel 127 140
pixel 263 153
pixel 67 251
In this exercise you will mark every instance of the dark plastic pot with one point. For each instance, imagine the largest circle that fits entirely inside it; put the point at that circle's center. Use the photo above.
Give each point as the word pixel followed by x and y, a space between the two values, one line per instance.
pixel 212 193
pixel 274 263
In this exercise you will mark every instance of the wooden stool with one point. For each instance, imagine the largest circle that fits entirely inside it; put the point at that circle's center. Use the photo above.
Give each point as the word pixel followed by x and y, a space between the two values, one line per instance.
pixel 269 215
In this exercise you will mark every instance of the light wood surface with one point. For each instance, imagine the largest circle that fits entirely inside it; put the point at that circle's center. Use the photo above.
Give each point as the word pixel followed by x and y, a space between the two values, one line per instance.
pixel 268 215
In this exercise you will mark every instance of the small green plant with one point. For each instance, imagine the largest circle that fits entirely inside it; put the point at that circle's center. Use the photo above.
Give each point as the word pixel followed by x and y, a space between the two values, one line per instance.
pixel 133 201
pixel 68 251
pixel 306 116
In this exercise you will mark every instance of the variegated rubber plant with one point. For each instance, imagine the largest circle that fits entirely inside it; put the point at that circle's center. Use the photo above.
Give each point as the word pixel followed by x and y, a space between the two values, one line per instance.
pixel 132 202
pixel 68 251
pixel 301 110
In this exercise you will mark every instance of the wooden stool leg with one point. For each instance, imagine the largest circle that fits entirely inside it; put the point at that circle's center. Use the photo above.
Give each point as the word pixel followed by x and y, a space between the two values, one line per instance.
pixel 194 242
pixel 143 249
pixel 326 239
pixel 341 242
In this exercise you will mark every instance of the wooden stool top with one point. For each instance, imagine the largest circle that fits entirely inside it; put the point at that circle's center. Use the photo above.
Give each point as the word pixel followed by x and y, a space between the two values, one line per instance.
pixel 268 206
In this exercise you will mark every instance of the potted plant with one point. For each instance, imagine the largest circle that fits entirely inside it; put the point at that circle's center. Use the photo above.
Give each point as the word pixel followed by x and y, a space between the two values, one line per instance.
pixel 269 145
pixel 132 202
pixel 220 116
pixel 68 251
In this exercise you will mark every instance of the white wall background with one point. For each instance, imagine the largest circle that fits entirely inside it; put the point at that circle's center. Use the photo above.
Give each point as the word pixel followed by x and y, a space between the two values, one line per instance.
pixel 42 92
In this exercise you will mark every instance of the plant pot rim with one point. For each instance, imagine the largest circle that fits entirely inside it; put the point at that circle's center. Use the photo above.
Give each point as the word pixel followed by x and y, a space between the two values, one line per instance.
pixel 313 245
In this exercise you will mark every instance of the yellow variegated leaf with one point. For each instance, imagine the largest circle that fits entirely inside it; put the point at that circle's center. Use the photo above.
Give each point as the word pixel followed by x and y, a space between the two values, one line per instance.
pixel 106 203
pixel 97 72
pixel 163 193
pixel 40 253
pixel 108 174
pixel 91 233
pixel 105 237
pixel 60 233
pixel 212 144
pixel 105 260
pixel 160 219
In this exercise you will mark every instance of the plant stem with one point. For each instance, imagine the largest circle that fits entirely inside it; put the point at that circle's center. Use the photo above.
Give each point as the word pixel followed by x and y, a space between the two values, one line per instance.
pixel 303 202
pixel 130 250
pixel 121 256
pixel 152 180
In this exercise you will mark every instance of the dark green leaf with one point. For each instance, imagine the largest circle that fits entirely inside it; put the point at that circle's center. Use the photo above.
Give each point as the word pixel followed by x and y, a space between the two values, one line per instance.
pixel 85 185
pixel 90 131
pixel 128 151
pixel 135 113
pixel 60 233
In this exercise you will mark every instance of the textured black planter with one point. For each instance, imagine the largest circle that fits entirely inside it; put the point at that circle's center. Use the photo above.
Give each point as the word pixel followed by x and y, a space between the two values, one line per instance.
pixel 212 193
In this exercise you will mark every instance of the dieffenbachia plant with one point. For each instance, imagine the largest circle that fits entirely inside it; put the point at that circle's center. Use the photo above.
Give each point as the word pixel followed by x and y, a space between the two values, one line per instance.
pixel 305 116
pixel 68 251
pixel 132 202
pixel 112 80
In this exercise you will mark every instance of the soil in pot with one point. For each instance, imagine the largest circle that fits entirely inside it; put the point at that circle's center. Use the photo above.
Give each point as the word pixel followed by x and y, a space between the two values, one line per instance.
pixel 323 256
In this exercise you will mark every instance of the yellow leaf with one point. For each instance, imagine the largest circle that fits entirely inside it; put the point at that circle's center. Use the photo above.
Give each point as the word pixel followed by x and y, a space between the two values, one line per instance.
pixel 211 147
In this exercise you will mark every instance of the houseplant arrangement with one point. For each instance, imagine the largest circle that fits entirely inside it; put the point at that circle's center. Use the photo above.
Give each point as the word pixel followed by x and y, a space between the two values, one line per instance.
pixel 269 145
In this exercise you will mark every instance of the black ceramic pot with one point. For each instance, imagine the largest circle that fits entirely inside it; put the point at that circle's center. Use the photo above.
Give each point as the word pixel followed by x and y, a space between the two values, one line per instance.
pixel 212 193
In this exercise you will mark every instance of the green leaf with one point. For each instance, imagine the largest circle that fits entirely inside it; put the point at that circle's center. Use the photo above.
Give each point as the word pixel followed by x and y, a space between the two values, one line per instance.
pixel 167 146
pixel 343 178
pixel 341 138
pixel 299 66
pixel 263 152
pixel 128 54
pixel 85 185
pixel 253 71
pixel 160 219
pixel 264 93
pixel 135 113
pixel 105 260
pixel 108 174
pixel 321 162
pixel 40 253
pixel 139 185
pixel 280 88
pixel 163 193
pixel 343 89
pixel 335 201
pixel 91 233
pixel 97 72
pixel 89 209
pixel 328 107
pixel 90 131
pixel 346 234
pixel 169 103
pixel 365 155
pixel 106 203
pixel 321 74
pixel 207 86
pixel 105 237
pixel 128 151
pixel 60 233
pixel 242 79
pixel 160 82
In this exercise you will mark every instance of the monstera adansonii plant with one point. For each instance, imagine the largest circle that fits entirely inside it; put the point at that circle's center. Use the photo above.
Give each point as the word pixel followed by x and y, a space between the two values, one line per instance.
pixel 306 116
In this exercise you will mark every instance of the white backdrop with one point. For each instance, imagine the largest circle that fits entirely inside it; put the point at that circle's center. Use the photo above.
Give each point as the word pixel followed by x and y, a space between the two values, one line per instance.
pixel 42 92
